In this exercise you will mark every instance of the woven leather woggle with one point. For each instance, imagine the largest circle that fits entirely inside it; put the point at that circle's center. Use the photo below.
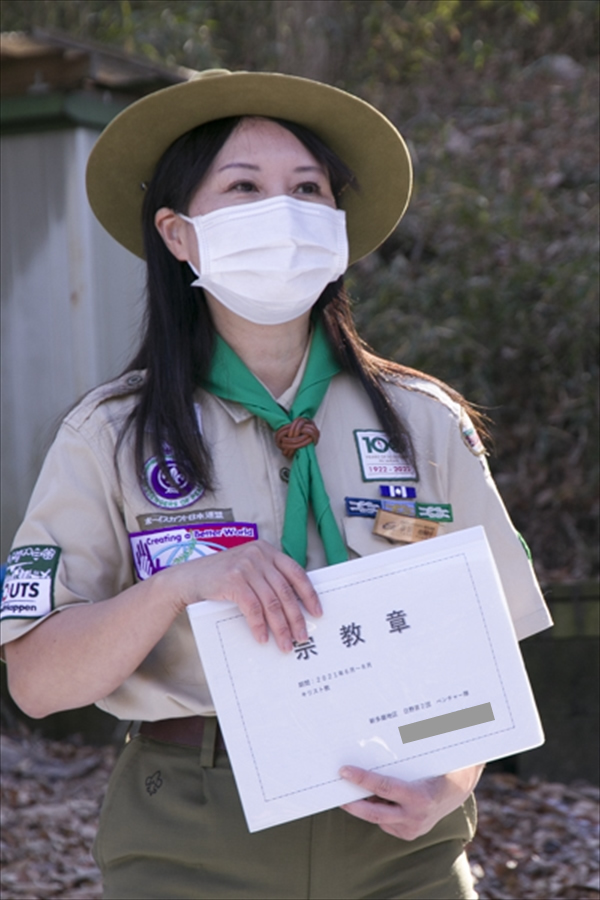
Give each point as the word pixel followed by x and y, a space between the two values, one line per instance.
pixel 299 433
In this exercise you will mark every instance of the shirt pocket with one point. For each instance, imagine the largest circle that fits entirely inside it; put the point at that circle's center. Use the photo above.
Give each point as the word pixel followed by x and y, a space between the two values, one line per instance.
pixel 360 540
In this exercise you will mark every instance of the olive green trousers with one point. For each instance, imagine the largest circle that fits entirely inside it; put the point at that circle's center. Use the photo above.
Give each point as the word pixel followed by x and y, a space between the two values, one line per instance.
pixel 172 828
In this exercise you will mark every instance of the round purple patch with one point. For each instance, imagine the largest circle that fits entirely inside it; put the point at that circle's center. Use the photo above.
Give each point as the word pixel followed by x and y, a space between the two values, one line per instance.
pixel 161 492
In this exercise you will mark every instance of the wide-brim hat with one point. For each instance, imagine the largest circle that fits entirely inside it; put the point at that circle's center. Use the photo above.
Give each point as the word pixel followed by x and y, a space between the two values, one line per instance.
pixel 125 156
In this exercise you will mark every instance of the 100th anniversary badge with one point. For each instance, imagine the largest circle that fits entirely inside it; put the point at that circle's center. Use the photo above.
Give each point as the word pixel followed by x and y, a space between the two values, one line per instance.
pixel 378 461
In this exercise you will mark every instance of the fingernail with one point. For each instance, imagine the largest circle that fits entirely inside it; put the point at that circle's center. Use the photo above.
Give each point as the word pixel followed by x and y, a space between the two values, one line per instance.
pixel 287 646
pixel 345 772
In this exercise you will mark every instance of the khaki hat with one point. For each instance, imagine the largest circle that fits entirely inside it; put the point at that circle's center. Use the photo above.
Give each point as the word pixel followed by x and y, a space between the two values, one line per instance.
pixel 128 150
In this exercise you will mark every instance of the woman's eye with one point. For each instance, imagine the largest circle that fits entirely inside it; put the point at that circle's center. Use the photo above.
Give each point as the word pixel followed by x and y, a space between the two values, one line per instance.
pixel 244 187
pixel 308 187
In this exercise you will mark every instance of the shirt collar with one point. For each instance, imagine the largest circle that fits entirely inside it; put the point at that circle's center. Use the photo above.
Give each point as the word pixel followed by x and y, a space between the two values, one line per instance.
pixel 239 413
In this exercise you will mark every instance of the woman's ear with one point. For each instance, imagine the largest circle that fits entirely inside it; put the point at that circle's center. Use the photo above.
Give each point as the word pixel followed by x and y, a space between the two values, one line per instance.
pixel 177 234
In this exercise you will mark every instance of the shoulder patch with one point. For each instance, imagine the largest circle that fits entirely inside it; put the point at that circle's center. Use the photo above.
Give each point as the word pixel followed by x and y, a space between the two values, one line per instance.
pixel 28 590
pixel 470 436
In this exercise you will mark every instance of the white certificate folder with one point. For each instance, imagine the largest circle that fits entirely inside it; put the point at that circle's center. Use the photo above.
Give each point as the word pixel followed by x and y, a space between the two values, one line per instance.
pixel 413 671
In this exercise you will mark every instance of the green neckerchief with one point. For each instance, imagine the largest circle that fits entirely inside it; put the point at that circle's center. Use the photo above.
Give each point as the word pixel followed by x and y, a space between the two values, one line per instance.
pixel 230 379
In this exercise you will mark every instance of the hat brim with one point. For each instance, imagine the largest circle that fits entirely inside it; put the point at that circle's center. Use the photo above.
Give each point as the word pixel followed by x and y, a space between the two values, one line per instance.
pixel 128 150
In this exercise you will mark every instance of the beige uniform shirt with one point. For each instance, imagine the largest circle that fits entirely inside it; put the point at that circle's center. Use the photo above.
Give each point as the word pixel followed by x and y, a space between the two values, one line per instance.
pixel 111 531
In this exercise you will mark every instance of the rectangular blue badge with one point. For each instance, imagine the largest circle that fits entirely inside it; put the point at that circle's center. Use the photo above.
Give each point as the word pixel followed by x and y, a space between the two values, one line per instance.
pixel 397 490
pixel 357 506
pixel 399 507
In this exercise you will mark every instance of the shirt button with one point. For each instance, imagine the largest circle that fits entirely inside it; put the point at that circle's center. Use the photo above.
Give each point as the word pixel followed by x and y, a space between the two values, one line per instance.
pixel 284 474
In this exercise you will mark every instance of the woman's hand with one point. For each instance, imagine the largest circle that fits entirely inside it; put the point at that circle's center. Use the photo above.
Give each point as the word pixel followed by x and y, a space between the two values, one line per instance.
pixel 409 809
pixel 86 651
pixel 268 586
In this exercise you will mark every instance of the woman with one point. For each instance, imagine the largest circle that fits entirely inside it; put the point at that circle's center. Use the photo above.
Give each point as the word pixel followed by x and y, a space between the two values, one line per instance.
pixel 250 391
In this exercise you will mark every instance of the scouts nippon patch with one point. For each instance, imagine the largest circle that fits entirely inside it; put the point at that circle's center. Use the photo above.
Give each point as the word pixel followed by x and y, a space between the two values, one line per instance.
pixel 156 550
pixel 378 461
pixel 175 493
pixel 28 590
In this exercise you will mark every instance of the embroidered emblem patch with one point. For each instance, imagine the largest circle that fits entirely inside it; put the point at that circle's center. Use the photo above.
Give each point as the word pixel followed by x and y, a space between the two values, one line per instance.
pixel 378 461
pixel 470 436
pixel 436 512
pixel 356 506
pixel 154 782
pixel 161 492
pixel 400 507
pixel 28 590
pixel 156 550
pixel 397 490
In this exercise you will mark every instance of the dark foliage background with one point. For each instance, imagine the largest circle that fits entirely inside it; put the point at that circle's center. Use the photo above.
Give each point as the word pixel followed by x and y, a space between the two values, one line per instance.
pixel 491 280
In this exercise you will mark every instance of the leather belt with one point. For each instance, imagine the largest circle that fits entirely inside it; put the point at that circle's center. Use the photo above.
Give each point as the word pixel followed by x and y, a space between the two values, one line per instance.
pixel 189 731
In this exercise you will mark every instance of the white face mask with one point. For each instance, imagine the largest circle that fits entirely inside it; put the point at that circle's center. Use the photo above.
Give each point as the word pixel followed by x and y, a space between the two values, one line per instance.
pixel 269 260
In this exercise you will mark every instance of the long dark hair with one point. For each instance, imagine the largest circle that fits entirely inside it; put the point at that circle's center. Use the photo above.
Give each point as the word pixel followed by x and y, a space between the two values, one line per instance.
pixel 178 339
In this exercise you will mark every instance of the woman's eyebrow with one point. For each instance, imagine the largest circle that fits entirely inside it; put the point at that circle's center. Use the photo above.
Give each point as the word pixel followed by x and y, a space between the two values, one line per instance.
pixel 310 169
pixel 239 165
pixel 242 165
